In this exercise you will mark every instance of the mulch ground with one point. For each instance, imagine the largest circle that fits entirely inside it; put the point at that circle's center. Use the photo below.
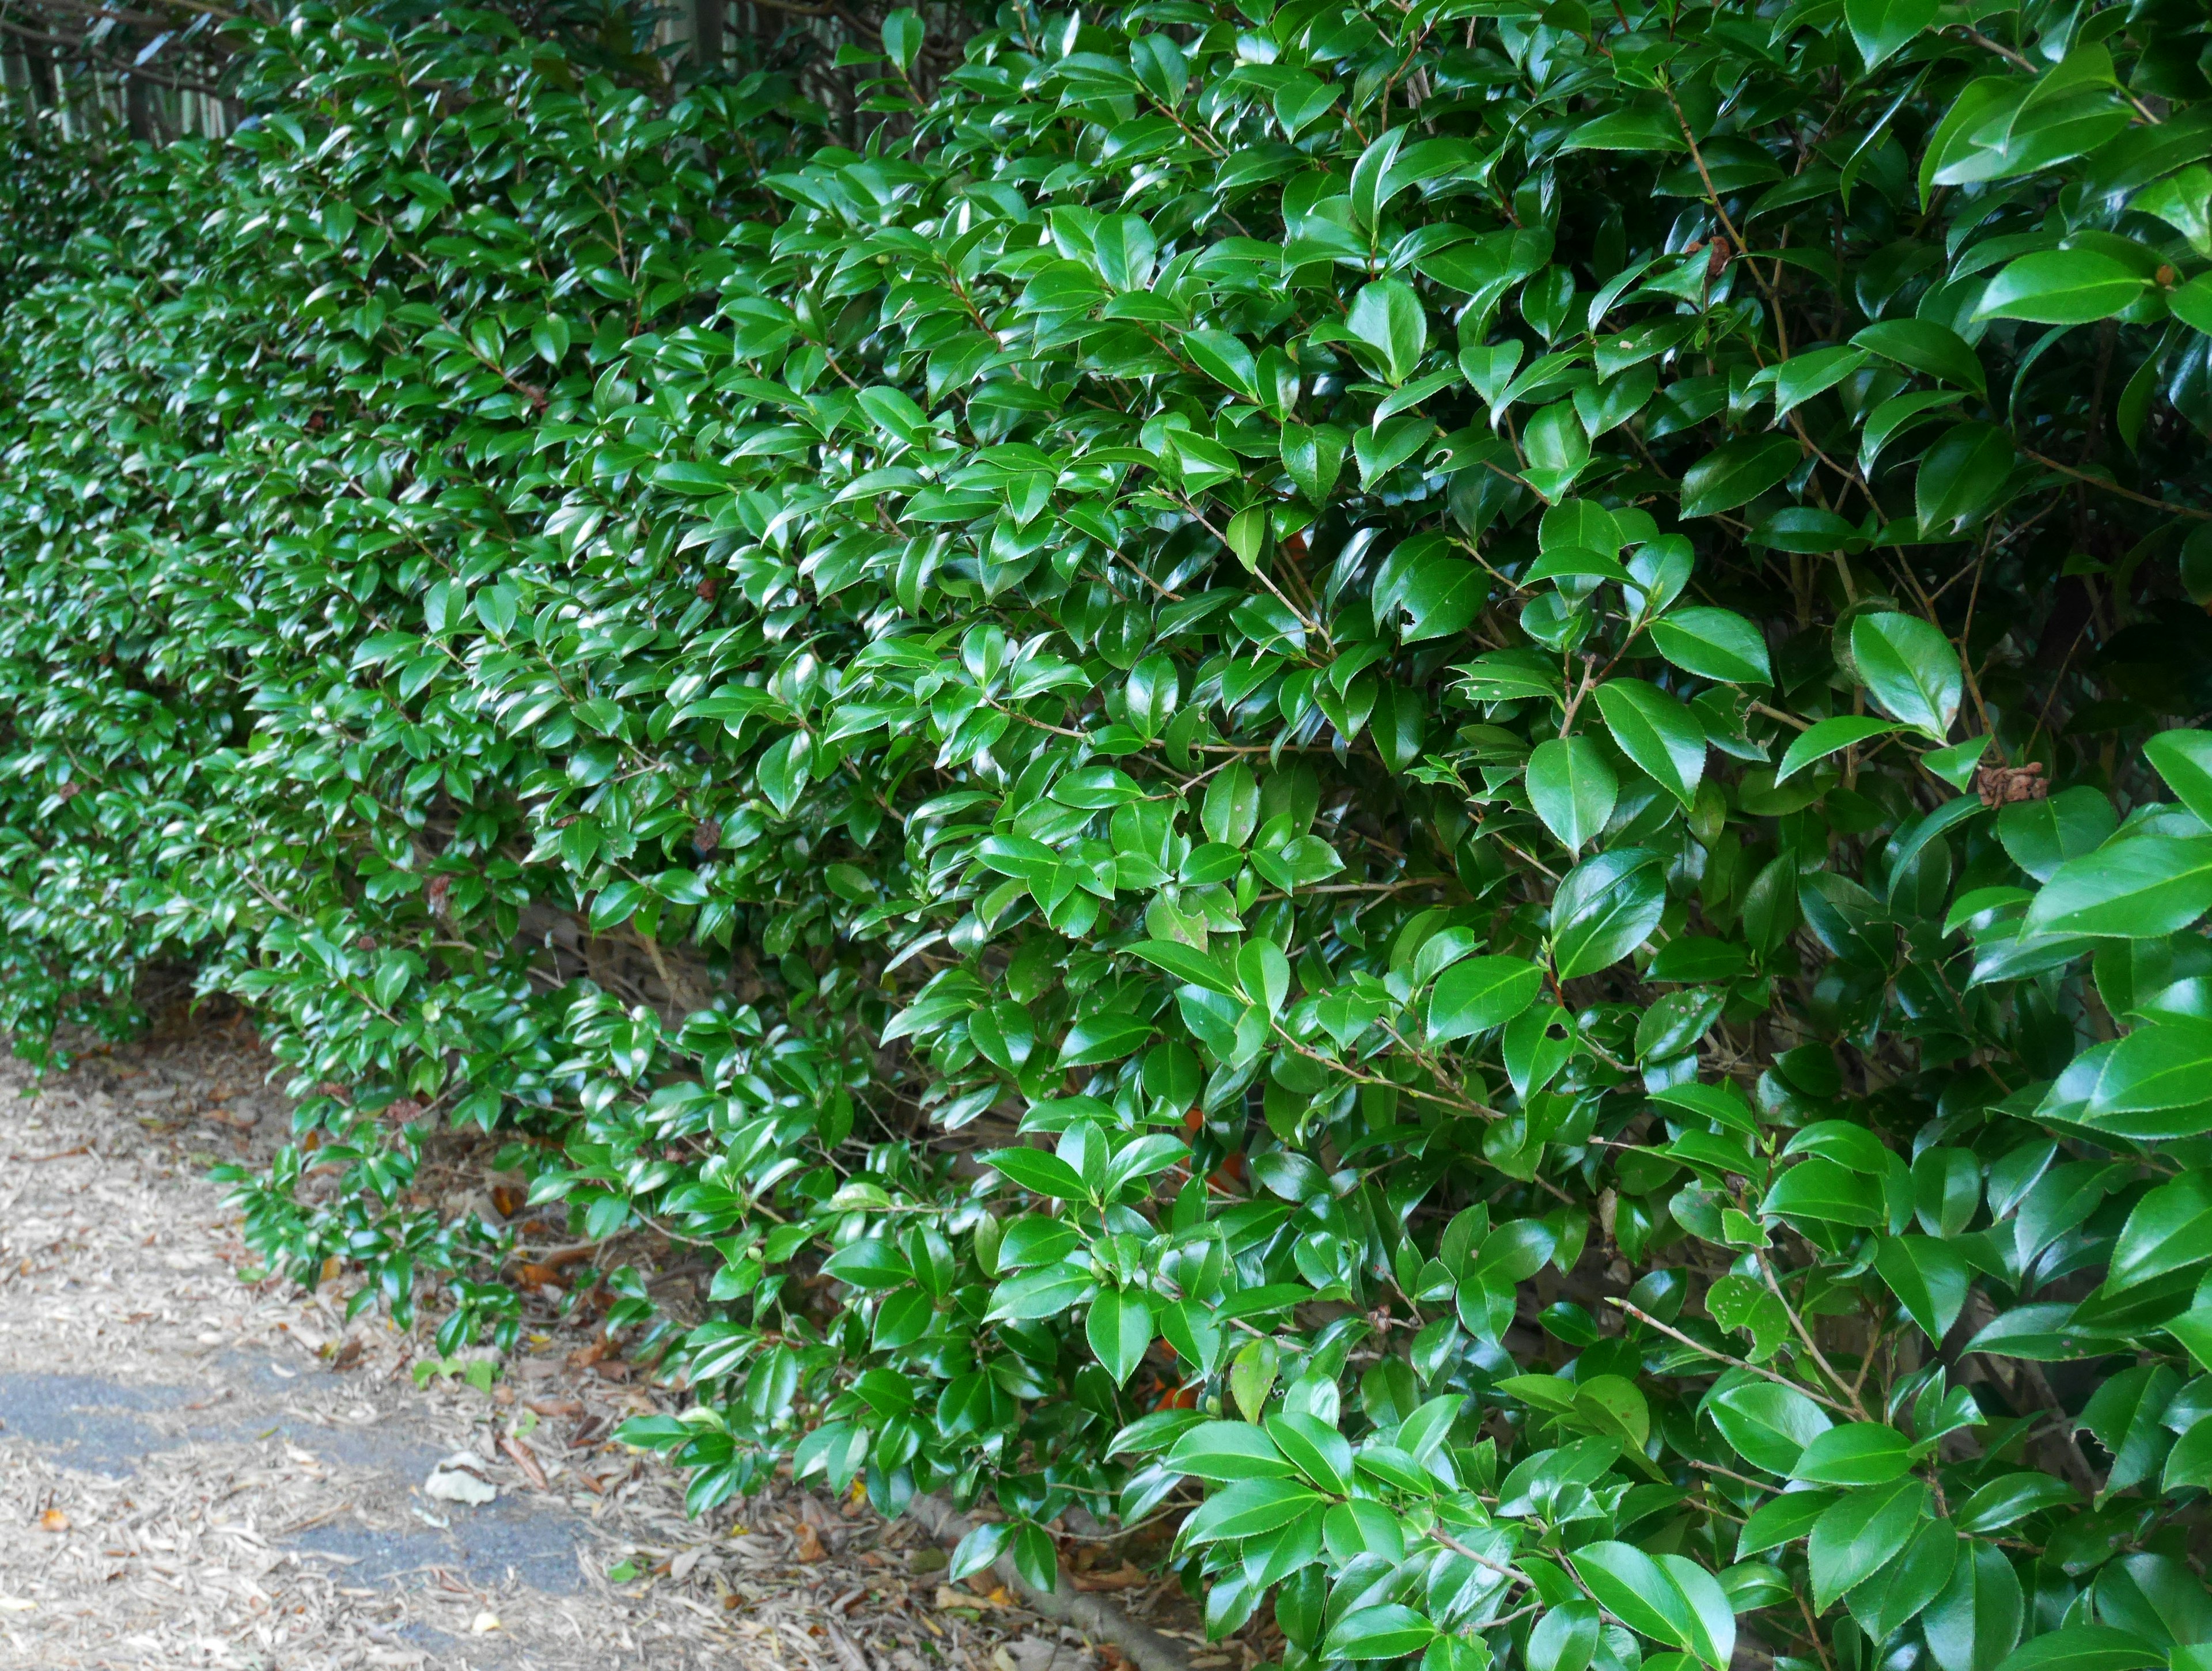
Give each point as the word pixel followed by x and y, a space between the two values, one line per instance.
pixel 196 1470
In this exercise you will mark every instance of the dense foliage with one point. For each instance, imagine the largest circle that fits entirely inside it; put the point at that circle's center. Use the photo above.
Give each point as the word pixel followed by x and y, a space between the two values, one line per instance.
pixel 1419 775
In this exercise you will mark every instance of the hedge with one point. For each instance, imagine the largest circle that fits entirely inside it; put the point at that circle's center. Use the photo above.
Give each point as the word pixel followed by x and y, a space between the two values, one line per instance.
pixel 1416 780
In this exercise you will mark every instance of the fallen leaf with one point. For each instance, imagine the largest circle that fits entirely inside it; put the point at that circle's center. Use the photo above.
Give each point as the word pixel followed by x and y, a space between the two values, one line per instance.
pixel 1122 1577
pixel 949 1597
pixel 526 1459
pixel 461 1478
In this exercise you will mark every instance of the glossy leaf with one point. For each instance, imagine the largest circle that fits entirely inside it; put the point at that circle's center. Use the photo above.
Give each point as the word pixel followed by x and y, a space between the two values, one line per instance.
pixel 1657 733
pixel 1573 789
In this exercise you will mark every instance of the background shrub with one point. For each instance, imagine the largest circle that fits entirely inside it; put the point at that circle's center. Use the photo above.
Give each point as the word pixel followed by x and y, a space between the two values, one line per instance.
pixel 1417 775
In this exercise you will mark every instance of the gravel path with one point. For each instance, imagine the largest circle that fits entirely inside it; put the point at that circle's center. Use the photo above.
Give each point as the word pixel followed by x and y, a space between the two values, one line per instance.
pixel 198 1471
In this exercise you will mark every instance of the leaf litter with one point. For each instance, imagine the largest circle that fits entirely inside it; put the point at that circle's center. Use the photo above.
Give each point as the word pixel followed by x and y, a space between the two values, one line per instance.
pixel 200 1470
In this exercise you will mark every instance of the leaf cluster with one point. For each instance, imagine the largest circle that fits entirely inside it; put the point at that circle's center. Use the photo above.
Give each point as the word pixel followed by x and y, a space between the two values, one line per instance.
pixel 1418 781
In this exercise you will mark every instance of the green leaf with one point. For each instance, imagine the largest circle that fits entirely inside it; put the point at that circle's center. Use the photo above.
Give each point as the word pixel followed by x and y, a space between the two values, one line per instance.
pixel 1634 129
pixel 1564 1637
pixel 1860 1533
pixel 549 338
pixel 2184 759
pixel 2084 1648
pixel 1634 1590
pixel 1712 1613
pixel 2039 1334
pixel 1929 1278
pixel 1387 316
pixel 1884 1604
pixel 2061 287
pixel 1783 1520
pixel 1313 456
pixel 1253 1376
pixel 1956 764
pixel 1388 1631
pixel 1723 1103
pixel 1187 963
pixel 1911 669
pixel 1039 1173
pixel 1801 377
pixel 1820 1188
pixel 1045 1293
pixel 1657 733
pixel 870 1263
pixel 902 35
pixel 1381 448
pixel 1248 1507
pixel 2150 1085
pixel 496 607
pixel 1226 359
pixel 1478 994
pixel 1120 1328
pixel 2191 303
pixel 1316 1449
pixel 1961 478
pixel 1674 1024
pixel 1769 1425
pixel 1035 1558
pixel 2189 1462
pixel 979 1549
pixel 1923 345
pixel 1440 596
pixel 1230 812
pixel 1883 28
pixel 1830 736
pixel 1572 788
pixel 1714 644
pixel 783 769
pixel 2144 887
pixel 694 480
pixel 1973 1624
pixel 1558 448
pixel 1738 471
pixel 1228 1451
pixel 2171 1227
pixel 1605 909
pixel 1105 1037
pixel 1857 1454
pixel 2040 836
